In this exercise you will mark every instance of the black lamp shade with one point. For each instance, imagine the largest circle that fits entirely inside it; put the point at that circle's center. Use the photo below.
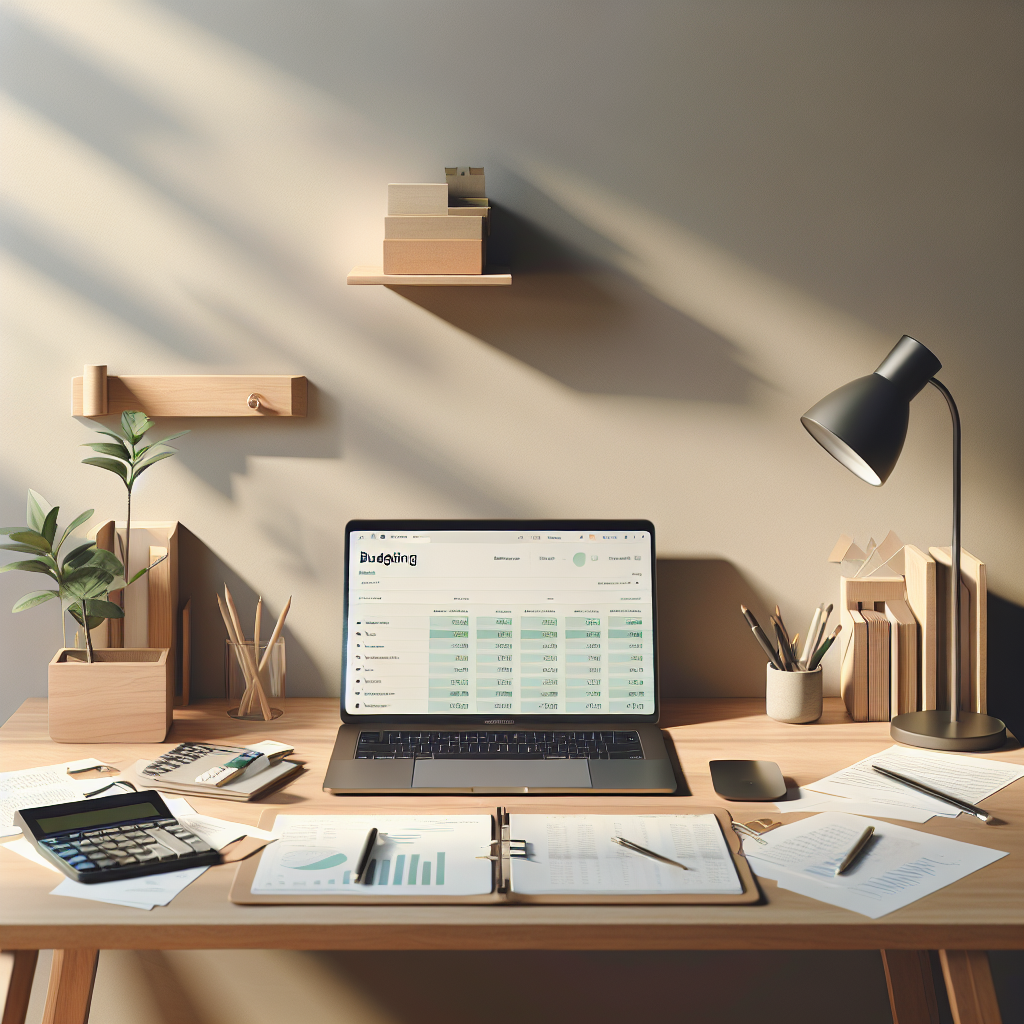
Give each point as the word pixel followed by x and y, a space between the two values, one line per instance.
pixel 863 424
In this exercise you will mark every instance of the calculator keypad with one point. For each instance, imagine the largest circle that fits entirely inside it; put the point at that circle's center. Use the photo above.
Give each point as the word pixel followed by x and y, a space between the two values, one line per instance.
pixel 128 845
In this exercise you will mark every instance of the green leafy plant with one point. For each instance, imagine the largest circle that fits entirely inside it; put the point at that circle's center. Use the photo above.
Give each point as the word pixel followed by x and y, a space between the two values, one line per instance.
pixel 128 458
pixel 84 577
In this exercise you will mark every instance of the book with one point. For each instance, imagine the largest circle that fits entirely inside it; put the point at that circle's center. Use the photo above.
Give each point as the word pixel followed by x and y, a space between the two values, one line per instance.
pixel 417 199
pixel 247 787
pixel 921 596
pixel 878 665
pixel 903 642
pixel 511 855
pixel 853 677
pixel 433 256
pixel 434 227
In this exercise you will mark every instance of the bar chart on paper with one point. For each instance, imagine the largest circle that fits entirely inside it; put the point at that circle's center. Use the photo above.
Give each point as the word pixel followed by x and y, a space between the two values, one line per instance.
pixel 413 854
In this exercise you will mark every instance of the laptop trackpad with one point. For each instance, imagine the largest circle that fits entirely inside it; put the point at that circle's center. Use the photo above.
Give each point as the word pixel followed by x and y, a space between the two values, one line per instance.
pixel 568 773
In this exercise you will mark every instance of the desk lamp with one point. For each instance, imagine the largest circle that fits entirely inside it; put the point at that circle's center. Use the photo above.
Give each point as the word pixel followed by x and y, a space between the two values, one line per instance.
pixel 863 425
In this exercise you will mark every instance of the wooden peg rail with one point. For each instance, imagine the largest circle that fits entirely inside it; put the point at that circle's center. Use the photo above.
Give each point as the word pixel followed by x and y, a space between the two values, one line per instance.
pixel 263 396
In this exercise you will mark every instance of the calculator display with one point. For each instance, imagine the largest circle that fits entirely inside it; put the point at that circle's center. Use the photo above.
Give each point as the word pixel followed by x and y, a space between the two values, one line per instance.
pixel 101 816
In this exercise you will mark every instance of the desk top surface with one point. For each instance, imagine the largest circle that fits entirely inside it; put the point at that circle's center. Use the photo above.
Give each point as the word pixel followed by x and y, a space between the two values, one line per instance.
pixel 983 911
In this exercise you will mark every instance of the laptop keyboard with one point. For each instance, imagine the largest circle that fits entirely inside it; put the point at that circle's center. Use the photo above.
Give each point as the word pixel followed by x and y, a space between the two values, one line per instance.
pixel 495 745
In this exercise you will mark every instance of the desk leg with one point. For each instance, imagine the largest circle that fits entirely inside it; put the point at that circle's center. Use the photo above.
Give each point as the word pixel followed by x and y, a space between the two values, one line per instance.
pixel 21 969
pixel 908 975
pixel 72 976
pixel 972 996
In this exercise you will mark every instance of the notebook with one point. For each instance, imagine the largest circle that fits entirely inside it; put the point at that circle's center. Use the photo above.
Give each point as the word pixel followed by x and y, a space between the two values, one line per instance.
pixel 510 855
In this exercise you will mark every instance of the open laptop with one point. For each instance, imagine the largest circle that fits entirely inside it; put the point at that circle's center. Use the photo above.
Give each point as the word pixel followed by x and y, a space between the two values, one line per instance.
pixel 499 656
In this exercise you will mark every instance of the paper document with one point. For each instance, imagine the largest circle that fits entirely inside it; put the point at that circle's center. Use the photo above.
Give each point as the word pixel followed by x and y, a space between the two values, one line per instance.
pixel 800 800
pixel 969 778
pixel 144 893
pixel 415 855
pixel 29 851
pixel 899 866
pixel 574 853
pixel 216 831
pixel 40 787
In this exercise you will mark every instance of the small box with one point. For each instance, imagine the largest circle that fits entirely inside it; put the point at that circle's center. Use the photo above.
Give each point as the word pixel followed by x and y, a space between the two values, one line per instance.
pixel 433 256
pixel 465 181
pixel 426 199
pixel 434 227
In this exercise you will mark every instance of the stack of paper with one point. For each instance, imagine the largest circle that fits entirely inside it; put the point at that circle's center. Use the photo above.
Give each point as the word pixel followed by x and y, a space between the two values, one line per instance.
pixel 899 866
pixel 969 778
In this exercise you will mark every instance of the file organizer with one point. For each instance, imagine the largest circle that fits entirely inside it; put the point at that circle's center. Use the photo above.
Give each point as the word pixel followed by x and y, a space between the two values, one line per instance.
pixel 504 845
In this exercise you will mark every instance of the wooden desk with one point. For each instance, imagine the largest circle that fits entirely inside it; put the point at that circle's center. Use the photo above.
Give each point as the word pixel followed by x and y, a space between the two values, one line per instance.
pixel 983 911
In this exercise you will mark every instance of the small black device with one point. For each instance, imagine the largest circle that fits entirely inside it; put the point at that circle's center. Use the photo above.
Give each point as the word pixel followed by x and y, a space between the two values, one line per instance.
pixel 111 837
pixel 748 780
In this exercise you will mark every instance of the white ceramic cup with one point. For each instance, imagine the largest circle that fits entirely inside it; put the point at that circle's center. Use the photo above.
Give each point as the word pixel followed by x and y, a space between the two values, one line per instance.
pixel 793 697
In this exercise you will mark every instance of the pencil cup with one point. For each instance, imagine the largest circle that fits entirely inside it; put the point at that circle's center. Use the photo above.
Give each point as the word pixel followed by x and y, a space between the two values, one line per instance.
pixel 793 697
pixel 234 681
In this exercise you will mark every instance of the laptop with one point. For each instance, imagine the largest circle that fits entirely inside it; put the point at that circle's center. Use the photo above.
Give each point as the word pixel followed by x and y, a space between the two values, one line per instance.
pixel 499 656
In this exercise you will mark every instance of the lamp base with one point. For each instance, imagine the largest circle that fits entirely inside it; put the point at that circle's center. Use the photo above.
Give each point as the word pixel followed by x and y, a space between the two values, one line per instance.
pixel 933 729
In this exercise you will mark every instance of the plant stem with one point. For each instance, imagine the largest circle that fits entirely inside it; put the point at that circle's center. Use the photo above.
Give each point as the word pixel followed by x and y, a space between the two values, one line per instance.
pixel 63 621
pixel 88 634
pixel 128 535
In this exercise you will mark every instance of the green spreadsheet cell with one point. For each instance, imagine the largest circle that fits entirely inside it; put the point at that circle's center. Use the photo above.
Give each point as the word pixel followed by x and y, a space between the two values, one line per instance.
pixel 625 620
pixel 494 634
pixel 445 693
pixel 483 706
pixel 632 707
pixel 538 692
pixel 583 659
pixel 449 621
pixel 495 670
pixel 631 671
pixel 539 645
pixel 447 658
pixel 582 707
pixel 538 659
pixel 494 645
pixel 482 694
pixel 582 620
pixel 585 645
pixel 539 707
pixel 538 634
pixel 494 620
pixel 447 707
pixel 454 681
pixel 494 659
pixel 584 694
pixel 538 620
pixel 449 634
pixel 625 657
pixel 448 645
pixel 630 645
pixel 627 634
pixel 583 634
pixel 646 693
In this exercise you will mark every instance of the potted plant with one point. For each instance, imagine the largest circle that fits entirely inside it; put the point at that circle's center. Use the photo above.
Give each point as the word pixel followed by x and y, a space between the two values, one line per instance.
pixel 127 457
pixel 94 694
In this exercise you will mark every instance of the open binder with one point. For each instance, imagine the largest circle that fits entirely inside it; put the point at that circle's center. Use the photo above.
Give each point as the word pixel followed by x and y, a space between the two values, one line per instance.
pixel 511 863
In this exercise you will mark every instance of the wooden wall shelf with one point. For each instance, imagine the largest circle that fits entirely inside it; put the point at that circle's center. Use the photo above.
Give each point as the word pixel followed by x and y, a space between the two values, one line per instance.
pixel 259 396
pixel 492 277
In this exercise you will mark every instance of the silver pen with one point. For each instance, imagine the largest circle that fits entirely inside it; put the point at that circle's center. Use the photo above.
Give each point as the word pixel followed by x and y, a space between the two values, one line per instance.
pixel 978 812
pixel 644 852
pixel 856 850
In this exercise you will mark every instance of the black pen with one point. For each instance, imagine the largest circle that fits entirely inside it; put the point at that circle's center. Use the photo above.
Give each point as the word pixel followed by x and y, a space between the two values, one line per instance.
pixel 364 857
pixel 784 652
pixel 761 638
pixel 963 805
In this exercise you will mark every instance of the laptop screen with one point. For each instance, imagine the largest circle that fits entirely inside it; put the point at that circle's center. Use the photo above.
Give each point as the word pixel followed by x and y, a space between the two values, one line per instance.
pixel 509 620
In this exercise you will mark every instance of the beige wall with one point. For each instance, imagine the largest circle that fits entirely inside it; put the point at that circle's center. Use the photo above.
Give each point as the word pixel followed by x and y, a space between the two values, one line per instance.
pixel 716 213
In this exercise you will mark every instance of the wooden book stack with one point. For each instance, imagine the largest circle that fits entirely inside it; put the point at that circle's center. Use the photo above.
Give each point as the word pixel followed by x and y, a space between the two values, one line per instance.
pixel 438 229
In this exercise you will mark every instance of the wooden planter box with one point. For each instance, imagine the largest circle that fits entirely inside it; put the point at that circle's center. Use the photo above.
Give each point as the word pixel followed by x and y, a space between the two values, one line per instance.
pixel 126 695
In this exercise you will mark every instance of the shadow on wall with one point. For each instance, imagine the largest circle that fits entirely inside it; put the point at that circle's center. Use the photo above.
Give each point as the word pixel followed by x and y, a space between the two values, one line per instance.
pixel 1005 669
pixel 704 647
pixel 202 575
pixel 583 323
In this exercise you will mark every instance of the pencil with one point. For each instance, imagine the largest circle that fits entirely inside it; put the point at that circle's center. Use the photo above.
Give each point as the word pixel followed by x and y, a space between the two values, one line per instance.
pixel 761 638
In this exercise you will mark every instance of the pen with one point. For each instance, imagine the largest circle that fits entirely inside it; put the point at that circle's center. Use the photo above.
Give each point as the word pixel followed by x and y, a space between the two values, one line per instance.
pixel 812 632
pixel 643 851
pixel 856 850
pixel 364 857
pixel 761 638
pixel 821 629
pixel 823 649
pixel 978 812
pixel 784 652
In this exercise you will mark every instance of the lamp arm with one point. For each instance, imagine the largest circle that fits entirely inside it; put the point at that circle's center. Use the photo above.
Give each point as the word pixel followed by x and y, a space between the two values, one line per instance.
pixel 955 681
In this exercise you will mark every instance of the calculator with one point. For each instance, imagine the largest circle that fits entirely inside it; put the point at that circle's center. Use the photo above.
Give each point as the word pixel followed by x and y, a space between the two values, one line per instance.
pixel 113 837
